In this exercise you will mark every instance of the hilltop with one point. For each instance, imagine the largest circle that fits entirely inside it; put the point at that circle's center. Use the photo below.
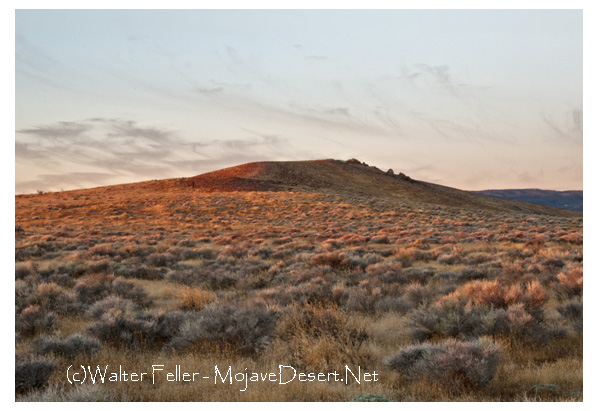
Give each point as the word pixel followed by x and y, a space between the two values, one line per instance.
pixel 350 177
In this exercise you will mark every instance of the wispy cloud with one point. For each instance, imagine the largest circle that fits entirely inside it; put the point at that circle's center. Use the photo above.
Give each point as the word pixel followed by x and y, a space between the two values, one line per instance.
pixel 117 150
pixel 63 129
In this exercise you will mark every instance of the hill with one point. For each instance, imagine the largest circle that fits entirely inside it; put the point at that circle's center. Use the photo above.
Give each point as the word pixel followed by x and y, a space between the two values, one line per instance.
pixel 352 178
pixel 348 178
pixel 569 200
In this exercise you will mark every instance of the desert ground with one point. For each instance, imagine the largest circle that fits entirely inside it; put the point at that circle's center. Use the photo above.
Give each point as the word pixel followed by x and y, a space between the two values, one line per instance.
pixel 422 292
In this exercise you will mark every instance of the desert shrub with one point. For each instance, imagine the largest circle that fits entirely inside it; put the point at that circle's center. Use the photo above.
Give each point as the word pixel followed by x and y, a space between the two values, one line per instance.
pixel 121 329
pixel 453 318
pixel 32 373
pixel 457 365
pixel 197 253
pixel 369 398
pixel 492 293
pixel 129 290
pixel 449 258
pixel 79 393
pixel 99 266
pixel 108 304
pixel 317 320
pixel 24 269
pixel 63 280
pixel 333 259
pixel 318 289
pixel 165 326
pixel 51 296
pixel 101 250
pixel 195 298
pixel 362 299
pixel 72 268
pixel 187 243
pixel 472 273
pixel 449 277
pixel 572 310
pixel 419 295
pixel 394 304
pixel 140 271
pixel 34 319
pixel 182 275
pixel 52 393
pixel 236 251
pixel 161 259
pixel 298 273
pixel 569 283
pixel 554 263
pixel 263 253
pixel 93 288
pixel 247 330
pixel 458 317
pixel 380 239
pixel 69 347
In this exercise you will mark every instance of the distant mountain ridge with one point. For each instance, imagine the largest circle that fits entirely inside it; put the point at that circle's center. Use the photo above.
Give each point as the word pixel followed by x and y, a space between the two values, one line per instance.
pixel 568 200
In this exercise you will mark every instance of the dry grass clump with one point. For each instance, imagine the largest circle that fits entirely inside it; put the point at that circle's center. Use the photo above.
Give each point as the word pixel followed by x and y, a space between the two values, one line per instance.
pixel 569 283
pixel 316 336
pixel 192 298
pixel 491 293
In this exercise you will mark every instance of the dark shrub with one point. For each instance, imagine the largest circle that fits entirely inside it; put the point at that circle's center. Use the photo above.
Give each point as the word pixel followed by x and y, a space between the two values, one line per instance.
pixel 166 326
pixel 247 329
pixel 332 259
pixel 34 319
pixel 572 311
pixel 93 288
pixel 32 374
pixel 458 365
pixel 161 259
pixel 111 303
pixel 68 347
pixel 122 329
pixel 129 290
pixel 395 304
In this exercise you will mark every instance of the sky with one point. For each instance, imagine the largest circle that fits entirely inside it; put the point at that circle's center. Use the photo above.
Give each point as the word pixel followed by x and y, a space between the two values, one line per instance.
pixel 472 99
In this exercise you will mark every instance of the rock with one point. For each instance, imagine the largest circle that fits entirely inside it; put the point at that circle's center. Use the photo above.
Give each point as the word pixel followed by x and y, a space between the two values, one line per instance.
pixel 404 177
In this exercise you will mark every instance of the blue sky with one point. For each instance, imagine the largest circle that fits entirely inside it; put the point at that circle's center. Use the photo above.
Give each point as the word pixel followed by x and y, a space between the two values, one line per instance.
pixel 469 99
